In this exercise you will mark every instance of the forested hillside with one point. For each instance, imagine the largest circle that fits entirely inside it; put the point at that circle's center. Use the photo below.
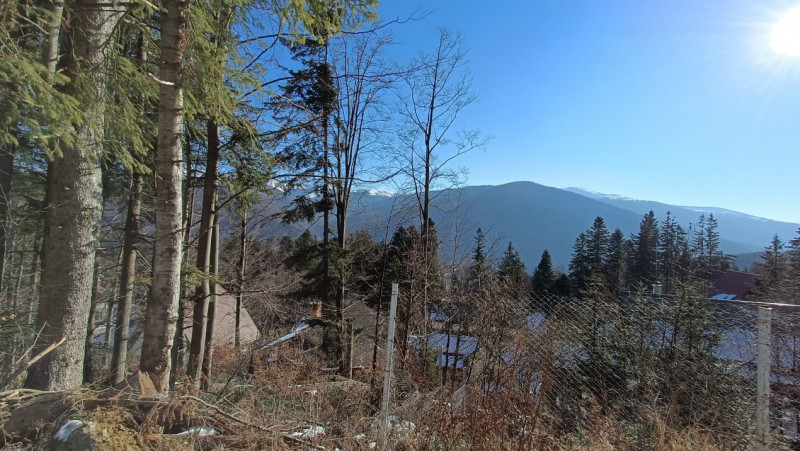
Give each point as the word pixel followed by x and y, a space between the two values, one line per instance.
pixel 533 216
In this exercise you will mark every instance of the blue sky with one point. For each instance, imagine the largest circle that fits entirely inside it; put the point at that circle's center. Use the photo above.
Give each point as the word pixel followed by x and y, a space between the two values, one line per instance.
pixel 679 101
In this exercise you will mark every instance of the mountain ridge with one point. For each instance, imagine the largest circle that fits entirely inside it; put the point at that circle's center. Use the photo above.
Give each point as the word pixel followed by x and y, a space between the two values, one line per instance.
pixel 532 216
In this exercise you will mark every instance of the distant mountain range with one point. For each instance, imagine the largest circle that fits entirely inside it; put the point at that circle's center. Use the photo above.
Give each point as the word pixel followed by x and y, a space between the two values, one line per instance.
pixel 535 217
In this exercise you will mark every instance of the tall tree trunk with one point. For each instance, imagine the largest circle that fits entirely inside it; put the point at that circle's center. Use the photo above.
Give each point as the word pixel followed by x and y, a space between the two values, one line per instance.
pixel 33 279
pixel 52 29
pixel 179 348
pixel 162 304
pixel 75 202
pixel 212 308
pixel 240 266
pixel 7 152
pixel 88 363
pixel 18 278
pixel 203 293
pixel 12 257
pixel 130 248
pixel 331 308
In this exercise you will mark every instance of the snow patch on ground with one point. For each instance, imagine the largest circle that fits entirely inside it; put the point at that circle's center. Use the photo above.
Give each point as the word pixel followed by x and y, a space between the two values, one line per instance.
pixel 67 429
pixel 199 431
pixel 309 432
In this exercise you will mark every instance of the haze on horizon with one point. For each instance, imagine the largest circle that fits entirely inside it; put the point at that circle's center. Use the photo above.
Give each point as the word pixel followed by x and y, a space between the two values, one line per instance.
pixel 676 102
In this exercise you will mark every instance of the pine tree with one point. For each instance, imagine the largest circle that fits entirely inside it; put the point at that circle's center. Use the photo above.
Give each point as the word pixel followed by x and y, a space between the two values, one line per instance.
pixel 562 286
pixel 671 242
pixel 790 285
pixel 512 275
pixel 709 261
pixel 645 249
pixel 580 266
pixel 771 270
pixel 310 99
pixel 698 244
pixel 597 243
pixel 479 271
pixel 74 198
pixel 718 262
pixel 543 276
pixel 616 269
pixel 36 114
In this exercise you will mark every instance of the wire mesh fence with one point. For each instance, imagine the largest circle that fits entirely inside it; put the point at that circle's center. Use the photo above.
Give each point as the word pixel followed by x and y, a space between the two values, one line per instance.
pixel 633 370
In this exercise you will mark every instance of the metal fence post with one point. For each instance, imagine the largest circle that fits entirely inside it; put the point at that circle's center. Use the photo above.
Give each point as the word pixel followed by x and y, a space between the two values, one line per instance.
pixel 762 378
pixel 387 380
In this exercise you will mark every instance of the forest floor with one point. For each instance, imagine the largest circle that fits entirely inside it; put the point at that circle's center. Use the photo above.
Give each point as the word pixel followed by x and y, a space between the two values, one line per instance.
pixel 293 404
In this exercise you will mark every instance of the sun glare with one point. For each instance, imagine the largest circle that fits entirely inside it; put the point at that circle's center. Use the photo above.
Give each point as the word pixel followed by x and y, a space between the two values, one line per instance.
pixel 785 37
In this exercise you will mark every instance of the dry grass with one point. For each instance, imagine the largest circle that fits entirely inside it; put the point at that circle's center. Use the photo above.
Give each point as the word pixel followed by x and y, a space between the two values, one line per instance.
pixel 289 398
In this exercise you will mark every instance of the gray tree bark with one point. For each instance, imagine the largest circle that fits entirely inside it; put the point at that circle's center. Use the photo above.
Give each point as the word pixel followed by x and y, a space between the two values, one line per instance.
pixel 204 292
pixel 240 278
pixel 130 247
pixel 179 346
pixel 162 304
pixel 74 202
pixel 212 309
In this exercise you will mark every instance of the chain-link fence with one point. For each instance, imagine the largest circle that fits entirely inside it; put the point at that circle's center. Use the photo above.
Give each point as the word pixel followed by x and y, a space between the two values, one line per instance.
pixel 633 370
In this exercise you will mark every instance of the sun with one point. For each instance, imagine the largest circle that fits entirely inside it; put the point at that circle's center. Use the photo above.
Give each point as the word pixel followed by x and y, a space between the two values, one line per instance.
pixel 785 38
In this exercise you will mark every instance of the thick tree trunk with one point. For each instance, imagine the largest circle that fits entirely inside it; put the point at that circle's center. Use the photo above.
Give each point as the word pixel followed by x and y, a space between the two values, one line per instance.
pixel 130 248
pixel 203 293
pixel 162 304
pixel 75 203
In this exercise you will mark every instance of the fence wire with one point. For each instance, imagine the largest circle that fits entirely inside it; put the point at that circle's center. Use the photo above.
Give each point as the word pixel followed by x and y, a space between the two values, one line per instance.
pixel 637 367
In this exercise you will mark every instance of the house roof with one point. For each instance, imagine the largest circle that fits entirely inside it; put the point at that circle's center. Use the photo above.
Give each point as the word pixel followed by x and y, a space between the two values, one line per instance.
pixel 732 285
pixel 463 345
pixel 225 322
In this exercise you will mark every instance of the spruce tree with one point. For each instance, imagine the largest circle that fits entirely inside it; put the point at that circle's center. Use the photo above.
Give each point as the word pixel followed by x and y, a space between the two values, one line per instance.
pixel 671 242
pixel 580 266
pixel 790 284
pixel 74 205
pixel 597 242
pixel 543 276
pixel 645 249
pixel 562 286
pixel 698 244
pixel 770 271
pixel 512 275
pixel 479 271
pixel 718 262
pixel 616 262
